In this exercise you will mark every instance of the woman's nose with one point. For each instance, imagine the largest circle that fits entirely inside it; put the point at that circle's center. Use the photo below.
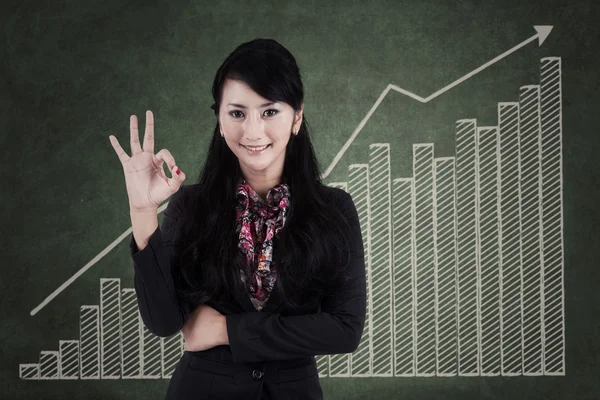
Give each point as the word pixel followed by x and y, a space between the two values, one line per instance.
pixel 253 127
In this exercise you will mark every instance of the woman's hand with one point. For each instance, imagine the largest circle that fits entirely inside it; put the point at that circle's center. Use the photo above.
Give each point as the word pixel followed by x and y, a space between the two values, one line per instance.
pixel 204 328
pixel 147 184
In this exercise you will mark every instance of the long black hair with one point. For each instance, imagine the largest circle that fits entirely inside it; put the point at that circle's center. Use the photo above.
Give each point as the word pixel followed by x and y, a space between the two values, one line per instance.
pixel 309 252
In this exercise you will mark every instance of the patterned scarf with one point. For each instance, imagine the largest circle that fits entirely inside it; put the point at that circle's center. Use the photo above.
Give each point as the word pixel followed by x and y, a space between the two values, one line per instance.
pixel 258 222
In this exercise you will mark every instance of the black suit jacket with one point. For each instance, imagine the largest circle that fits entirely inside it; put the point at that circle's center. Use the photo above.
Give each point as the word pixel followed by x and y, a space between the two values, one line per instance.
pixel 271 352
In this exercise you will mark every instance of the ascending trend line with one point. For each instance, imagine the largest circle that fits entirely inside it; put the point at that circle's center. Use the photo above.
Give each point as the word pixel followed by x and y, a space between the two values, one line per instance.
pixel 87 266
pixel 542 33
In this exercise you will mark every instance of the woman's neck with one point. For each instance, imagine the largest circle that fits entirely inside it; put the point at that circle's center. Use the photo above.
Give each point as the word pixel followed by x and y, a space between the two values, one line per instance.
pixel 262 186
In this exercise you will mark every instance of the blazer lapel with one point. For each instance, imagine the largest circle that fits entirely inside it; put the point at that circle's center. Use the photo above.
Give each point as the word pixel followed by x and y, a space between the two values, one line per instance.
pixel 274 302
pixel 244 300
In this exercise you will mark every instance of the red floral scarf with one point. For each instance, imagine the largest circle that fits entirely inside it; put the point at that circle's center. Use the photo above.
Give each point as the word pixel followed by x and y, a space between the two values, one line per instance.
pixel 257 224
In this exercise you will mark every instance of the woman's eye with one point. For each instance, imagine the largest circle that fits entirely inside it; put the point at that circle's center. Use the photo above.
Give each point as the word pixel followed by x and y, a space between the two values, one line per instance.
pixel 235 115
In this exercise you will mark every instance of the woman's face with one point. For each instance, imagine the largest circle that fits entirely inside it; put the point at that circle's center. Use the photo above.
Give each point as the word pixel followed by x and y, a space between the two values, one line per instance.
pixel 247 119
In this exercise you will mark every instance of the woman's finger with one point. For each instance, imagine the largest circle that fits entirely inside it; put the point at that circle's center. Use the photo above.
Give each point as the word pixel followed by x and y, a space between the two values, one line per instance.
pixel 165 155
pixel 149 133
pixel 123 157
pixel 176 179
pixel 134 137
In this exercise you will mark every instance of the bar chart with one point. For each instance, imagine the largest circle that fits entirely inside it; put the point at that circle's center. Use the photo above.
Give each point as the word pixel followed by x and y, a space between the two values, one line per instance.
pixel 465 258
pixel 113 344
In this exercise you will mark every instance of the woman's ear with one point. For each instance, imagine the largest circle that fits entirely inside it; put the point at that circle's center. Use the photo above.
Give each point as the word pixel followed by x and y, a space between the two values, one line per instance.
pixel 298 119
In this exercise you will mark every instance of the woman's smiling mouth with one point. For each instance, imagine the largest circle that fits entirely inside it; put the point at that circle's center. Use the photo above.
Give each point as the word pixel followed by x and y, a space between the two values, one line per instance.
pixel 255 149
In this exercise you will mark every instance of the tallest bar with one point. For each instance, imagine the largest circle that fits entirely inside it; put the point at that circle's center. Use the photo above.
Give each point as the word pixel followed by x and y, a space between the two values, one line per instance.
pixel 552 216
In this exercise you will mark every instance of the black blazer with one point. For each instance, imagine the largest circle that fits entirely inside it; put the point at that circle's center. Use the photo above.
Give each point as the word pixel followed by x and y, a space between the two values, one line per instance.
pixel 271 352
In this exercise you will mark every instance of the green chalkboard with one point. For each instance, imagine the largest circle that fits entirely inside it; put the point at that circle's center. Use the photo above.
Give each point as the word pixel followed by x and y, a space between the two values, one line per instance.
pixel 465 131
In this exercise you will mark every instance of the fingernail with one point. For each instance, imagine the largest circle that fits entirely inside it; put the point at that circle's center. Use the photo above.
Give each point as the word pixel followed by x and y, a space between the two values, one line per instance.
pixel 178 171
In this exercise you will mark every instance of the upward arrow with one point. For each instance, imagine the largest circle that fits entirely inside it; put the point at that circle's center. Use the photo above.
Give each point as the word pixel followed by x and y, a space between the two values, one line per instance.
pixel 542 33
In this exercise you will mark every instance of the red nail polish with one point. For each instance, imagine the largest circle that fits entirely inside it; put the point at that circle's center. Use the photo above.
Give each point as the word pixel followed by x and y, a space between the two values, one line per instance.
pixel 178 171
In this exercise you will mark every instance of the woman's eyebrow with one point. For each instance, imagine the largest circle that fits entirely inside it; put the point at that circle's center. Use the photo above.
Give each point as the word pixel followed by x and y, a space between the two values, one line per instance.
pixel 243 106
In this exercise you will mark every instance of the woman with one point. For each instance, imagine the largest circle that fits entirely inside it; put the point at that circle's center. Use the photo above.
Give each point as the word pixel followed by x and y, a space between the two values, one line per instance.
pixel 259 264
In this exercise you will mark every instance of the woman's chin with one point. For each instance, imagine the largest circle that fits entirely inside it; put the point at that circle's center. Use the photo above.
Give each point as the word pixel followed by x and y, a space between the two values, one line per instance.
pixel 256 165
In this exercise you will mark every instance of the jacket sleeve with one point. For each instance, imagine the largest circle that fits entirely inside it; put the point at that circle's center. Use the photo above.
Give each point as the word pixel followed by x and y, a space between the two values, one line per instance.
pixel 160 307
pixel 337 329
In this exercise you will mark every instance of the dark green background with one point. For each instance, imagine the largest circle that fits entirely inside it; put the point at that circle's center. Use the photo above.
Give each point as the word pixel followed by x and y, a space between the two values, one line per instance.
pixel 73 72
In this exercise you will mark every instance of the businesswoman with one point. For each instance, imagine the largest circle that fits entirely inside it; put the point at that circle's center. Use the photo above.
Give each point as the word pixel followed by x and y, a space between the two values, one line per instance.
pixel 259 264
